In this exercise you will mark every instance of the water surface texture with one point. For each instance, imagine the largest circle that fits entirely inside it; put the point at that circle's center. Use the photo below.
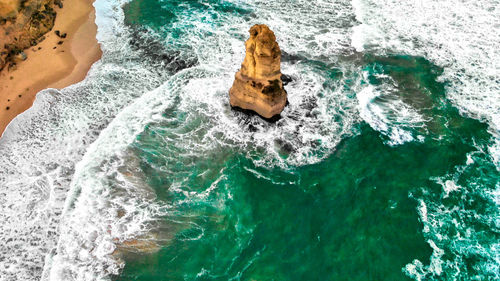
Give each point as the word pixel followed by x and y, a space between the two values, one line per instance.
pixel 384 166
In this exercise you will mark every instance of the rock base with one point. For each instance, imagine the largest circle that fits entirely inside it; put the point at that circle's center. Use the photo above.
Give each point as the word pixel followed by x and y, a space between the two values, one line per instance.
pixel 266 97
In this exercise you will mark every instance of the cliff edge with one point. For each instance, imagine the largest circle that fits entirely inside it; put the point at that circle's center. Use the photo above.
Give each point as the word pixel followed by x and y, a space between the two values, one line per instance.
pixel 23 24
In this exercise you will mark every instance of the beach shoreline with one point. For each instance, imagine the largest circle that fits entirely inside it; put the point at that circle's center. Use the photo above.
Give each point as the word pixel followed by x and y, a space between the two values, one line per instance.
pixel 56 62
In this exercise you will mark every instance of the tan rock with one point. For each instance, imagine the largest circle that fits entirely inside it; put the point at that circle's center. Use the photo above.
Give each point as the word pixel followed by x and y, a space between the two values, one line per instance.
pixel 9 8
pixel 19 57
pixel 258 86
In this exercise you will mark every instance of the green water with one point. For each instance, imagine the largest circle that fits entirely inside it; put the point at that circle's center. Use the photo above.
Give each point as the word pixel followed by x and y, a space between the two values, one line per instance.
pixel 352 216
pixel 349 217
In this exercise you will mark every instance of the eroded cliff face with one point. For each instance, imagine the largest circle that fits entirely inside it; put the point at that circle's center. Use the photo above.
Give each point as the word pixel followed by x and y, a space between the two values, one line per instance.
pixel 23 24
pixel 258 86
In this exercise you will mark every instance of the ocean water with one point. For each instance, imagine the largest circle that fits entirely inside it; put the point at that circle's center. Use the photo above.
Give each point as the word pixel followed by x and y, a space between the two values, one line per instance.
pixel 384 166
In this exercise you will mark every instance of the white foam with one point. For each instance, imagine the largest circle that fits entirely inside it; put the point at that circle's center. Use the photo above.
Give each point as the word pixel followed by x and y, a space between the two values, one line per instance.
pixel 389 115
pixel 450 186
pixel 91 225
pixel 308 31
pixel 452 229
pixel 461 36
pixel 107 203
pixel 316 29
pixel 40 148
pixel 103 186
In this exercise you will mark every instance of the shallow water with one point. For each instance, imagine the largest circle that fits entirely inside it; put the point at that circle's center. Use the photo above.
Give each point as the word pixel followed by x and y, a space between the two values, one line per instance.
pixel 383 167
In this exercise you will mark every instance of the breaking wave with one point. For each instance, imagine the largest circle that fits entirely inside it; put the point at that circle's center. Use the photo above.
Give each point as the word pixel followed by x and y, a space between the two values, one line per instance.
pixel 70 177
pixel 458 36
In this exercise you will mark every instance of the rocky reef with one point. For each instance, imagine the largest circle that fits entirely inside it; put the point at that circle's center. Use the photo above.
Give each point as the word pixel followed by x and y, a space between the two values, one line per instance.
pixel 257 85
pixel 23 24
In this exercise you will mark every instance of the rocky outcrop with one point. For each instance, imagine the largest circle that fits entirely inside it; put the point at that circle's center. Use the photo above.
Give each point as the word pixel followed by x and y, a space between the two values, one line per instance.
pixel 23 24
pixel 257 85
pixel 9 8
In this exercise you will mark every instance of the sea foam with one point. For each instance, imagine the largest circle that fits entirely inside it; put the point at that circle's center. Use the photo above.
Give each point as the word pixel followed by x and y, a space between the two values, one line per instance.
pixel 461 37
pixel 386 113
pixel 40 148
pixel 108 202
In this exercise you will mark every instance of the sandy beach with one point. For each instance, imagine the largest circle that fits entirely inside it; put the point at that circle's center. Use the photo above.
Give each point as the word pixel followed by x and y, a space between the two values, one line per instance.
pixel 53 63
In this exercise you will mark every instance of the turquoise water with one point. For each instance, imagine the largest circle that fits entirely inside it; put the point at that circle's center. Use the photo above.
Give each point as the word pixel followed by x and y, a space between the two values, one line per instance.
pixel 383 166
pixel 354 215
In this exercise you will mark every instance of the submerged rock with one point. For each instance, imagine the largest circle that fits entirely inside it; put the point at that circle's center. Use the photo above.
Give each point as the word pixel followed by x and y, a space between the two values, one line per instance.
pixel 258 85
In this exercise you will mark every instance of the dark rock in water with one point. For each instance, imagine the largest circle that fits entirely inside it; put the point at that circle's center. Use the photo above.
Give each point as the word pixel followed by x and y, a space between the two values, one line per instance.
pixel 287 57
pixel 155 51
pixel 286 79
pixel 309 104
pixel 285 146
pixel 258 86
pixel 250 112
pixel 252 128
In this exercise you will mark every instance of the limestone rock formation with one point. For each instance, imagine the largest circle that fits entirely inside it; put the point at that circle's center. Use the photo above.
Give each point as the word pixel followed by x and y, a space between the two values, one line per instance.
pixel 258 86
pixel 23 24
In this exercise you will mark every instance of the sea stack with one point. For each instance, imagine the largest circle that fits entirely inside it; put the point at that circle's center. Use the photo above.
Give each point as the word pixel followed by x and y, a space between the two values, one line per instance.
pixel 258 86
